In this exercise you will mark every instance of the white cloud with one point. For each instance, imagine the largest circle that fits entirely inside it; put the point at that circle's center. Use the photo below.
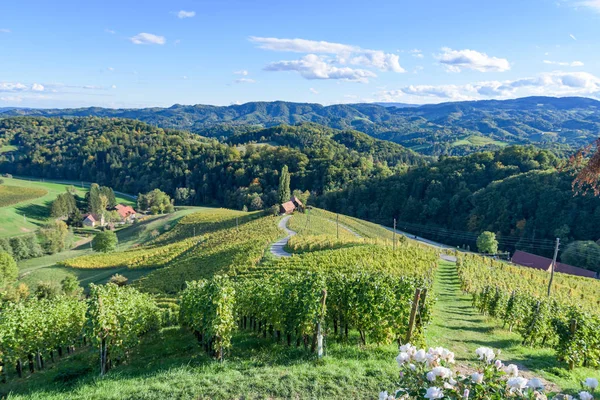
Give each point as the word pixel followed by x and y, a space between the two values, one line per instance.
pixel 593 4
pixel 242 72
pixel 147 38
pixel 186 14
pixel 564 64
pixel 572 36
pixel 457 60
pixel 416 53
pixel 110 69
pixel 244 80
pixel 113 86
pixel 345 54
pixel 556 83
pixel 12 99
pixel 110 31
pixel 36 87
pixel 4 30
pixel 313 91
pixel 315 67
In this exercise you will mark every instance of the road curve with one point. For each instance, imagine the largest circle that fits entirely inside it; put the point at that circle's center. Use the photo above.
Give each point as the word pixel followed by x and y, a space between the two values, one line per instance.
pixel 278 248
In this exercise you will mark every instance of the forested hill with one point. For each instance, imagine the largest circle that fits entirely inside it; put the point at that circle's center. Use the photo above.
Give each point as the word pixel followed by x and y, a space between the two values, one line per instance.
pixel 517 192
pixel 447 128
pixel 134 157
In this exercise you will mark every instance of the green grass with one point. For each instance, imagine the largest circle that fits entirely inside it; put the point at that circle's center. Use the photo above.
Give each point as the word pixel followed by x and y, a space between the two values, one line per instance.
pixel 459 327
pixel 44 269
pixel 27 216
pixel 476 140
pixel 172 366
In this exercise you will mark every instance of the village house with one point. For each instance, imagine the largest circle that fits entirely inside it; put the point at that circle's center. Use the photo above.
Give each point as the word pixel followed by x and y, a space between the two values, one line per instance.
pixel 127 213
pixel 290 206
pixel 538 262
pixel 93 221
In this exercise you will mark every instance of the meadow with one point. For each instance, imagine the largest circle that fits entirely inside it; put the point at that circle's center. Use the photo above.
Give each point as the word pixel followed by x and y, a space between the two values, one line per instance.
pixel 26 214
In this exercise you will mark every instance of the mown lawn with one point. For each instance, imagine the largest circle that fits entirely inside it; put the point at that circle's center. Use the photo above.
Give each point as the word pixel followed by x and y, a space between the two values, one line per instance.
pixel 458 326
pixel 28 215
pixel 172 366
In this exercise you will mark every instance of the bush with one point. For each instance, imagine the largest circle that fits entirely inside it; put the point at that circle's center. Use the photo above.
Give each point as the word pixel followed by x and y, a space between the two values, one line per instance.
pixel 429 375
pixel 487 243
pixel 8 269
pixel 119 280
pixel 105 242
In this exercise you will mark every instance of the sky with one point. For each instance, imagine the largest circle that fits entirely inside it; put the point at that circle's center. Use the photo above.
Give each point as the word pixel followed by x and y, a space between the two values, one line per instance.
pixel 73 53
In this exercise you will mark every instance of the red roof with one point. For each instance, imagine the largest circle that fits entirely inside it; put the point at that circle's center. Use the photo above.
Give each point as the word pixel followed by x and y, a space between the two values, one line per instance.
pixel 296 201
pixel 90 217
pixel 538 262
pixel 288 206
pixel 124 211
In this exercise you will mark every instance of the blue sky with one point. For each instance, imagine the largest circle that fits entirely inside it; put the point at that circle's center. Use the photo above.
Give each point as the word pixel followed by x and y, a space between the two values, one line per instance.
pixel 126 53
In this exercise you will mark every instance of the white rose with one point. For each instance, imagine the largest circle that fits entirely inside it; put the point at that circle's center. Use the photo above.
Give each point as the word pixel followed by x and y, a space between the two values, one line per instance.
pixel 591 383
pixel 420 356
pixel 402 358
pixel 512 370
pixel 434 393
pixel 535 383
pixel 585 396
pixel 477 377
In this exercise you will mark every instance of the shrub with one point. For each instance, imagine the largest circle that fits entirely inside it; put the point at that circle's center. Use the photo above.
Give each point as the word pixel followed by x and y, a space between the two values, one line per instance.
pixel 105 242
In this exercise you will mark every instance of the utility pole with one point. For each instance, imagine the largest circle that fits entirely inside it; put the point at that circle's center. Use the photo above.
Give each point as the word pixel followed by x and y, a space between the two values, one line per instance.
pixel 337 225
pixel 237 226
pixel 394 236
pixel 553 265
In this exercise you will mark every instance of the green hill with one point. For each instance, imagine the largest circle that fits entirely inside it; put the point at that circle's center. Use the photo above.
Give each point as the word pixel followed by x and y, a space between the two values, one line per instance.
pixel 430 129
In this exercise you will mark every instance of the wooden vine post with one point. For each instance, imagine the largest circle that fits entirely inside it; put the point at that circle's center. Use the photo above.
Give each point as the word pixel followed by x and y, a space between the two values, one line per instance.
pixel 573 328
pixel 413 313
pixel 320 351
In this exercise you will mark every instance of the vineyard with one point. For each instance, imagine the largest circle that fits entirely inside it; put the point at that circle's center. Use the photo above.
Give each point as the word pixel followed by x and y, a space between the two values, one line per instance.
pixel 12 194
pixel 216 293
pixel 568 320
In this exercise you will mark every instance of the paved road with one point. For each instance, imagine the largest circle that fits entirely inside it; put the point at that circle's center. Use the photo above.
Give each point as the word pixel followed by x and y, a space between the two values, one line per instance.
pixel 277 248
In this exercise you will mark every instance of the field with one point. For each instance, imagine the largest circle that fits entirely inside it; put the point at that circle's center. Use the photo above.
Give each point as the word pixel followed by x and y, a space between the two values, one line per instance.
pixel 49 268
pixel 10 195
pixel 169 363
pixel 28 214
pixel 476 140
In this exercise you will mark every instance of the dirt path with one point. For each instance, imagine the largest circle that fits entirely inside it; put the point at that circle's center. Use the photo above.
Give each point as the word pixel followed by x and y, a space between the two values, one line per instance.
pixel 278 248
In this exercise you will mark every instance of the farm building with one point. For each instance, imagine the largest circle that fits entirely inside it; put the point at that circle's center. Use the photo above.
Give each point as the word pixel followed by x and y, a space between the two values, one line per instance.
pixel 287 208
pixel 290 206
pixel 93 220
pixel 127 213
pixel 538 262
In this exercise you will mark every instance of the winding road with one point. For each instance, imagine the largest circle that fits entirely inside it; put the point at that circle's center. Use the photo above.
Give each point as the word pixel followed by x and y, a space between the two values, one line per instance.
pixel 278 248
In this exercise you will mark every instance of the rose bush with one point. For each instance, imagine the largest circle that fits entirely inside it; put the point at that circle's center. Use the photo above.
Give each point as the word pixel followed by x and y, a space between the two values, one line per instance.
pixel 428 375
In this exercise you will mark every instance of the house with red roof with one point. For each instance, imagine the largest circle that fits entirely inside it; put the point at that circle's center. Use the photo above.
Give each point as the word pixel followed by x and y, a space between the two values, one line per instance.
pixel 545 264
pixel 127 213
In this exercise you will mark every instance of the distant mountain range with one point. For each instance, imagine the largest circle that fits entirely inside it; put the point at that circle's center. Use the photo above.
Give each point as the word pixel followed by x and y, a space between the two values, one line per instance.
pixel 446 128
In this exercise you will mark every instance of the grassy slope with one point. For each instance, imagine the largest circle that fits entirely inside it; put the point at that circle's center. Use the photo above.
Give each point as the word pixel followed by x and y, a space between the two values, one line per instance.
pixel 458 326
pixel 45 269
pixel 36 211
pixel 170 365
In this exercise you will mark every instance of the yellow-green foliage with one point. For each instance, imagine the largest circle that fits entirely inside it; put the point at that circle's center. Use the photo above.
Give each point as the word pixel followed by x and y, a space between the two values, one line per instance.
pixel 147 257
pixel 13 194
pixel 307 243
pixel 205 221
pixel 408 260
pixel 478 272
pixel 313 223
pixel 364 229
pixel 223 251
